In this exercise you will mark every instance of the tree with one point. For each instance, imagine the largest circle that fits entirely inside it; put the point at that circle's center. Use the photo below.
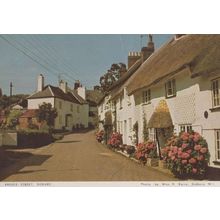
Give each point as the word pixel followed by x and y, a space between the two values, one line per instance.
pixel 112 75
pixel 47 113
pixel 0 92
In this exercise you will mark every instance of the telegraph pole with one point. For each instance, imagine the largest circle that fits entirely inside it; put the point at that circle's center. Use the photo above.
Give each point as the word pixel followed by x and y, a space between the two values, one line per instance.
pixel 11 89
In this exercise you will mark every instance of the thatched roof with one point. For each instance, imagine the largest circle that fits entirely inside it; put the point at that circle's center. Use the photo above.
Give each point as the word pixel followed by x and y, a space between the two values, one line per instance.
pixel 93 97
pixel 201 53
pixel 161 117
pixel 122 82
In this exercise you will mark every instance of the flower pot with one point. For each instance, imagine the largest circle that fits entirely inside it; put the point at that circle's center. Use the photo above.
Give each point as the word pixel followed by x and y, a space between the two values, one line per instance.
pixel 162 164
pixel 153 162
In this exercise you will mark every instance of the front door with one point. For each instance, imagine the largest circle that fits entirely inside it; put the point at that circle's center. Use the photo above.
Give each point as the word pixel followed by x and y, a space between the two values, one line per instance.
pixel 162 135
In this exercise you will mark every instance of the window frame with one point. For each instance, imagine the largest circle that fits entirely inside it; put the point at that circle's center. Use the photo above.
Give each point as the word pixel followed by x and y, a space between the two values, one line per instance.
pixel 186 127
pixel 130 124
pixel 60 104
pixel 217 144
pixel 146 96
pixel 215 97
pixel 172 83
pixel 120 102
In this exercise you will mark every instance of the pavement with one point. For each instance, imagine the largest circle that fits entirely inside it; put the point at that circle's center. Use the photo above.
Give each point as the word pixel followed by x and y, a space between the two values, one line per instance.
pixel 77 157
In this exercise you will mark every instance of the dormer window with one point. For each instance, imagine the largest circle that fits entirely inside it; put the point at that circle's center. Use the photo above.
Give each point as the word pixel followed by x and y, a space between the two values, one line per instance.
pixel 170 88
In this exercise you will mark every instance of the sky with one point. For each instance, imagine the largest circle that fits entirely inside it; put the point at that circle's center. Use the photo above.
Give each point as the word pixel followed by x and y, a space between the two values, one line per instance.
pixel 68 57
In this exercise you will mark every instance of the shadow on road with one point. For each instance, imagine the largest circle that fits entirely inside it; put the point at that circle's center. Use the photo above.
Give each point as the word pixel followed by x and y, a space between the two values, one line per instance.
pixel 13 161
pixel 66 142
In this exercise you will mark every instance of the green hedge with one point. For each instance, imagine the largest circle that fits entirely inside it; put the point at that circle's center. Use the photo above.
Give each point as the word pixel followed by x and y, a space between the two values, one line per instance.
pixel 33 138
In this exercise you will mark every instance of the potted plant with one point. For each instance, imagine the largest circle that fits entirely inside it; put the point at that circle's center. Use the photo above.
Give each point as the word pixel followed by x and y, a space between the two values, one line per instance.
pixel 147 153
pixel 115 140
pixel 130 150
pixel 100 136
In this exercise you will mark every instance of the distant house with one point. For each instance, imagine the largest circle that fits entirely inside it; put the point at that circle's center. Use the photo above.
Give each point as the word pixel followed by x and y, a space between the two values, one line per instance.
pixel 72 109
pixel 28 119
pixel 92 97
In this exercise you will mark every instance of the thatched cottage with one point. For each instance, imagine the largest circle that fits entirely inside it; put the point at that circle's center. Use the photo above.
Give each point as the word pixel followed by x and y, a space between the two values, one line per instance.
pixel 176 89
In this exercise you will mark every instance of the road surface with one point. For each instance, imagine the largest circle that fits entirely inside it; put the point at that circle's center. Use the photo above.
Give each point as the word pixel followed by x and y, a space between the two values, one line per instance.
pixel 78 157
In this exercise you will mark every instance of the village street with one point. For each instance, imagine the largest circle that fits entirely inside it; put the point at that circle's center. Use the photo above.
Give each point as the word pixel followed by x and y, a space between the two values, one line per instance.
pixel 78 157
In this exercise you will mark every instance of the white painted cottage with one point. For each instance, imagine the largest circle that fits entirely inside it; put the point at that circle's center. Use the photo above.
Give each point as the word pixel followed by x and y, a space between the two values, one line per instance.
pixel 178 89
pixel 71 107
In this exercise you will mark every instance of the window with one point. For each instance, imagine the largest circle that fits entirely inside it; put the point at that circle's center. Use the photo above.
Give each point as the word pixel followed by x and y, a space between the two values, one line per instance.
pixel 120 102
pixel 185 128
pixel 71 107
pixel 118 126
pixel 170 87
pixel 60 104
pixel 121 127
pixel 130 124
pixel 215 93
pixel 217 144
pixel 60 119
pixel 147 96
pixel 151 134
pixel 129 99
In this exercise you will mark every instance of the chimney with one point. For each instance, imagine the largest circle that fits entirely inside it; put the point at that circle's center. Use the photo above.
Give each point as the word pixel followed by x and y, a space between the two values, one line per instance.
pixel 133 57
pixel 76 84
pixel 82 92
pixel 40 83
pixel 147 51
pixel 63 86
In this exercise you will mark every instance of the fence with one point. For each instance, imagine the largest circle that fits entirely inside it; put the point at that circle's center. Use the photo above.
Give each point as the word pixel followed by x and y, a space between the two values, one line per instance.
pixel 8 138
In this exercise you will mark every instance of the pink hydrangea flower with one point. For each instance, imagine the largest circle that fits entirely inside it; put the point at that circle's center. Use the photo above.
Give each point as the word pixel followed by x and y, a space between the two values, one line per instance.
pixel 189 151
pixel 203 150
pixel 200 158
pixel 197 147
pixel 194 170
pixel 192 160
pixel 184 161
pixel 184 145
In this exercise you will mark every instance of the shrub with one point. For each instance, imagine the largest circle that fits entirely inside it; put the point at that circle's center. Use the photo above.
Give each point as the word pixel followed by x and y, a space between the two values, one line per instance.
pixel 115 140
pixel 100 136
pixel 146 150
pixel 33 138
pixel 130 149
pixel 187 155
